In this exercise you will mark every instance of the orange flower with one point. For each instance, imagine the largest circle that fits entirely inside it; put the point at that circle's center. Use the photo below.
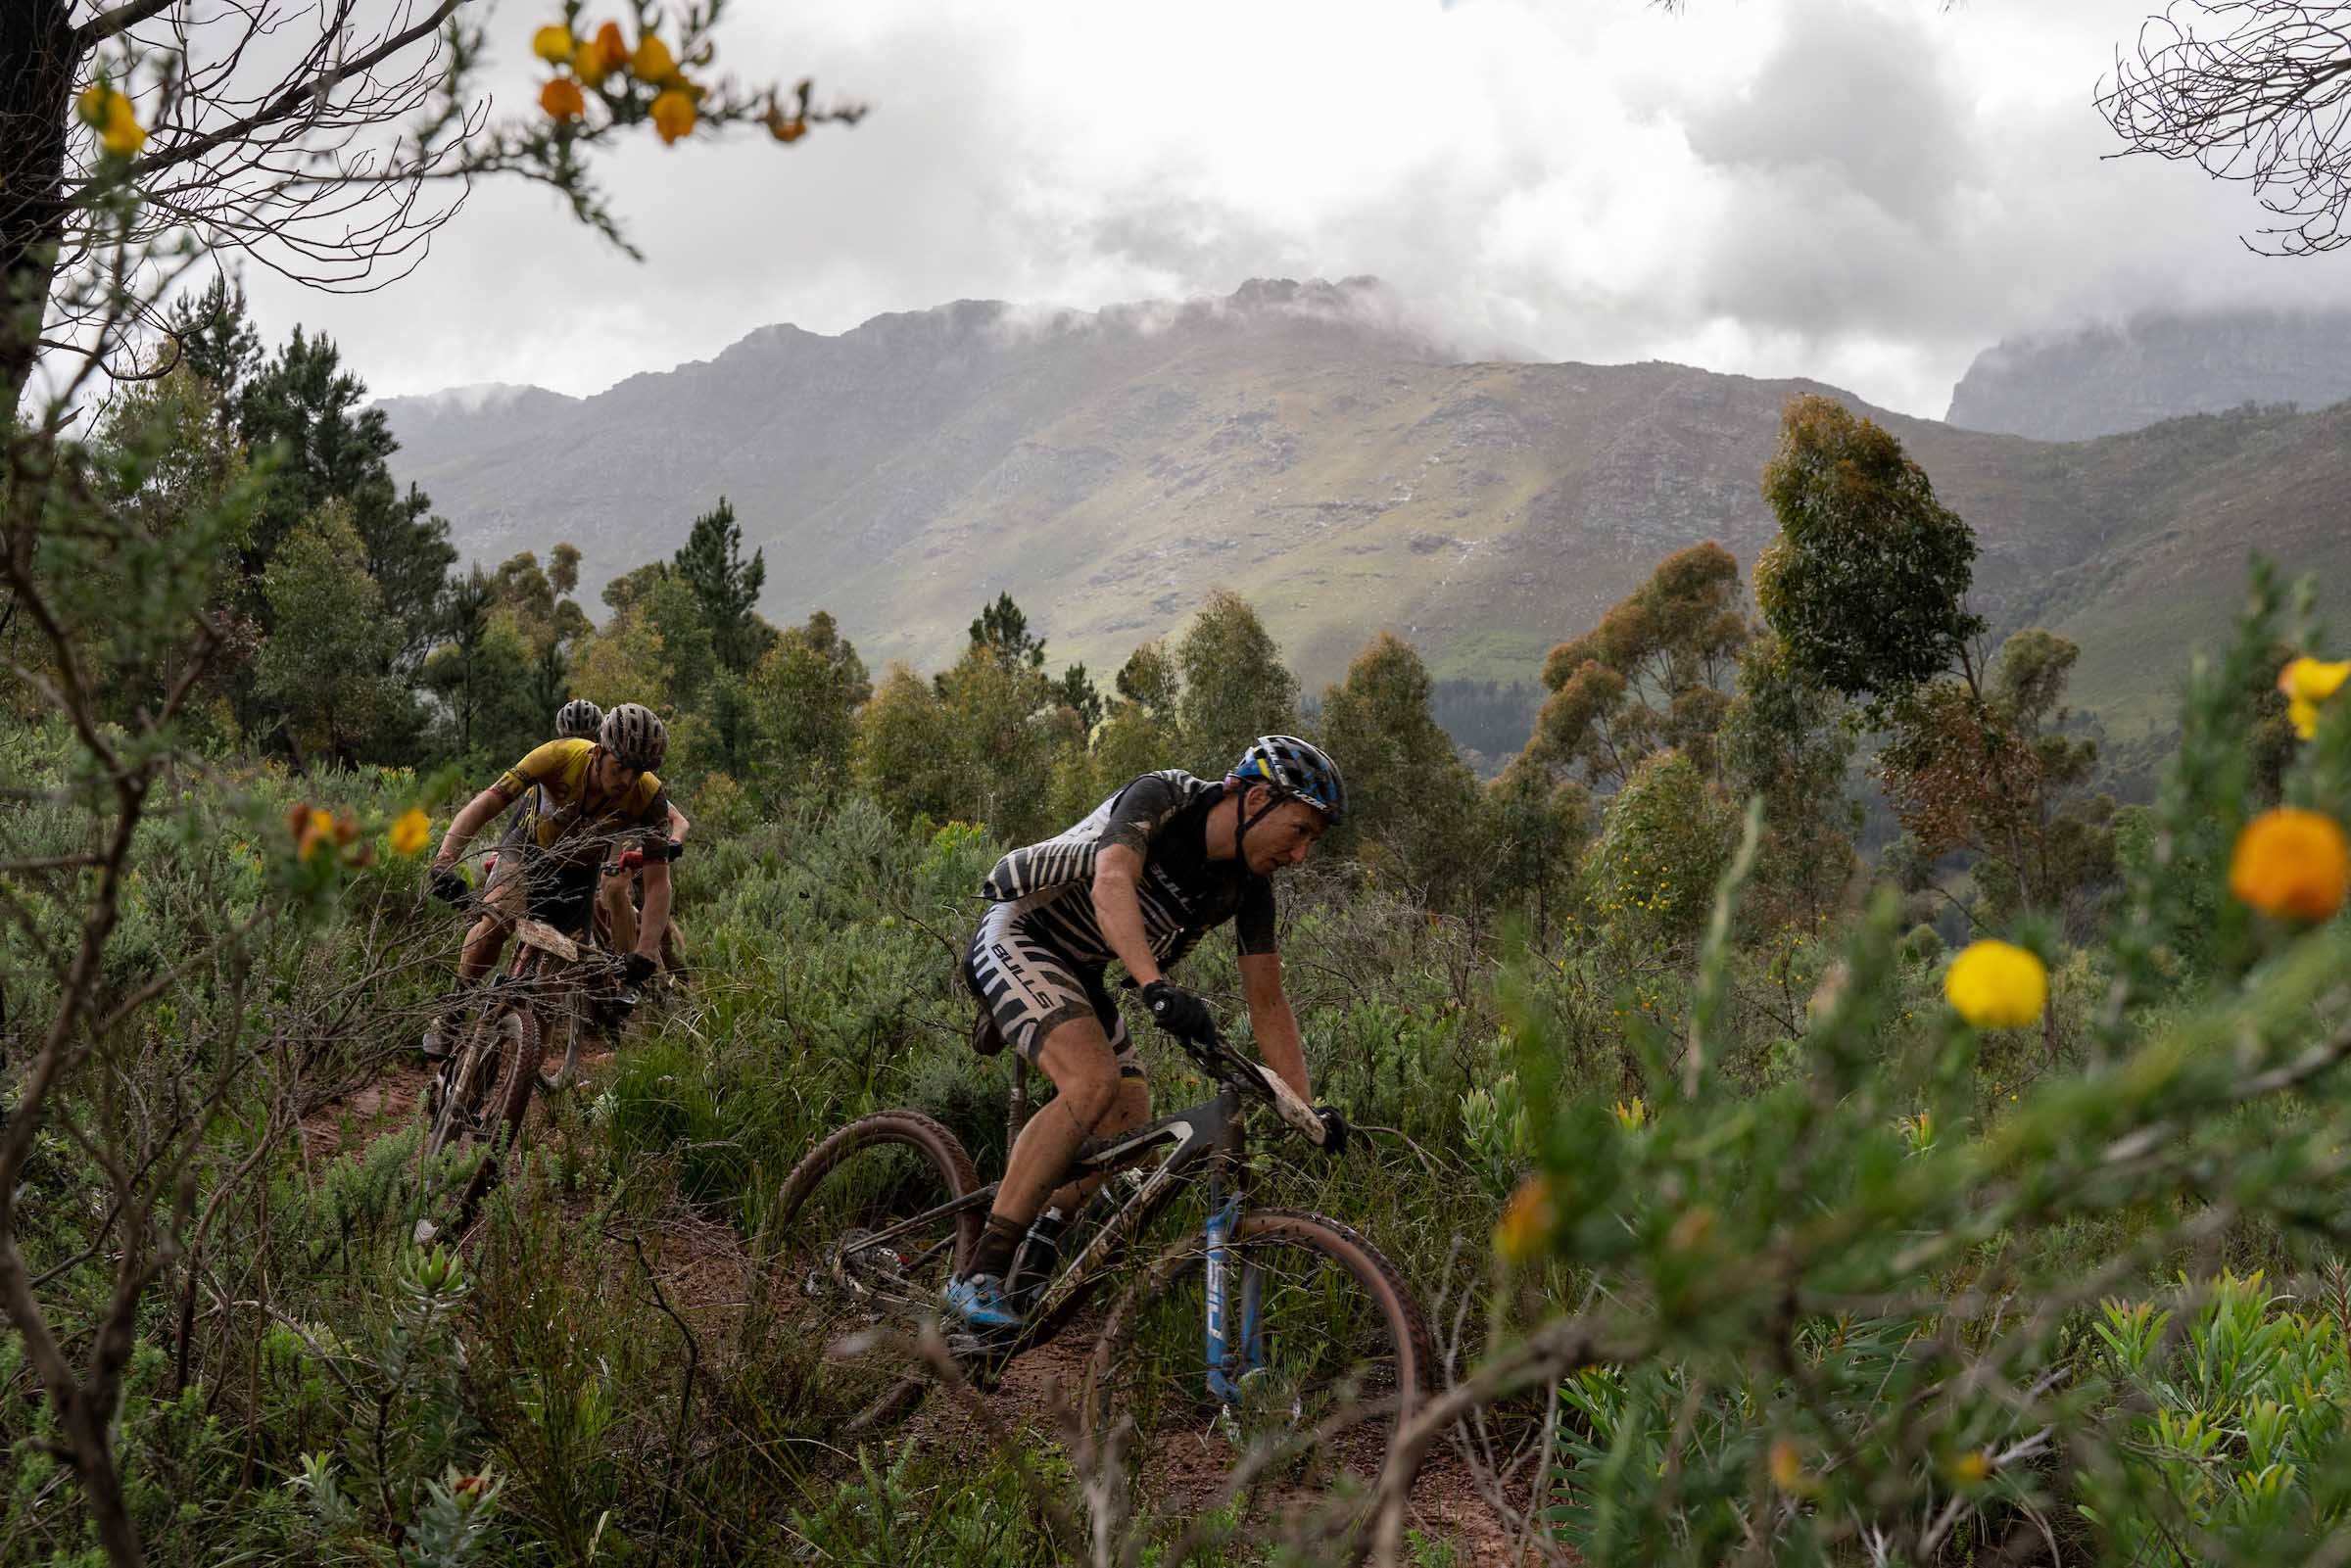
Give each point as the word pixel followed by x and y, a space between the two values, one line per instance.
pixel 2291 863
pixel 652 61
pixel 674 114
pixel 1527 1221
pixel 562 99
pixel 553 43
pixel 787 130
pixel 602 54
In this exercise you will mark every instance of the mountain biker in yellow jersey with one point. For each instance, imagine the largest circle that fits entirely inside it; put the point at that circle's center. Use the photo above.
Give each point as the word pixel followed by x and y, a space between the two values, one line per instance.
pixel 591 792
pixel 1140 879
pixel 581 720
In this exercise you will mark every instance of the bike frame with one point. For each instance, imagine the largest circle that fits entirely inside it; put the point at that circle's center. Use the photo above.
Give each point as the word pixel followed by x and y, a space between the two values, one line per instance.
pixel 1204 1139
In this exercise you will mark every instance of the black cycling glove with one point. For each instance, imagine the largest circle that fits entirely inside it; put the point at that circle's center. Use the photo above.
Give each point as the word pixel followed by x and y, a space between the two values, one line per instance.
pixel 672 848
pixel 637 969
pixel 1334 1130
pixel 446 885
pixel 1179 1012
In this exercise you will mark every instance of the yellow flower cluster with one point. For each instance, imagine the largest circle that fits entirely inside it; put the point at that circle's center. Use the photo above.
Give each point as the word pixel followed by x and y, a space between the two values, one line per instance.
pixel 410 832
pixel 1996 985
pixel 2307 683
pixel 596 58
pixel 2292 864
pixel 108 113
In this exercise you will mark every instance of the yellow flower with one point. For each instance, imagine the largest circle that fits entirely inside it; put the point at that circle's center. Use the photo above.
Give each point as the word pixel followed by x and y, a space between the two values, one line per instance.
pixel 1631 1114
pixel 673 114
pixel 792 129
pixel 2292 864
pixel 652 61
pixel 410 832
pixel 1969 1467
pixel 562 99
pixel 110 114
pixel 1996 985
pixel 553 43
pixel 1527 1221
pixel 2307 683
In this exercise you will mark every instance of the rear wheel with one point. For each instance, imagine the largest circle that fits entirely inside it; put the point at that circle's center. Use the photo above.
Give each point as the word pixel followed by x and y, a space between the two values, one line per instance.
pixel 1328 1356
pixel 853 1249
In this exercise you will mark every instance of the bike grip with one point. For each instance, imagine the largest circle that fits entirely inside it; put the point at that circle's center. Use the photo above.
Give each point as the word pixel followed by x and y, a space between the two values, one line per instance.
pixel 1294 1111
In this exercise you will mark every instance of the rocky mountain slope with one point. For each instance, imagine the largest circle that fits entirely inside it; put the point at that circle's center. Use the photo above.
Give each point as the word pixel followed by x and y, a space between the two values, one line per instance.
pixel 2102 381
pixel 1297 443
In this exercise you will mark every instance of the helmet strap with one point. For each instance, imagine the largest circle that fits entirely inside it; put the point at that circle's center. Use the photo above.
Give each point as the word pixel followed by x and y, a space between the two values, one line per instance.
pixel 1274 796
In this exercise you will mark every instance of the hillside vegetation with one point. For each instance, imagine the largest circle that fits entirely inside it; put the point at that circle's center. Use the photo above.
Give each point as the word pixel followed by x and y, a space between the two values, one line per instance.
pixel 1984 1201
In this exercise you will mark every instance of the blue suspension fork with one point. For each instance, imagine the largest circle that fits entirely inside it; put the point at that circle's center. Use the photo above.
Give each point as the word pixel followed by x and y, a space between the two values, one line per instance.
pixel 1236 1332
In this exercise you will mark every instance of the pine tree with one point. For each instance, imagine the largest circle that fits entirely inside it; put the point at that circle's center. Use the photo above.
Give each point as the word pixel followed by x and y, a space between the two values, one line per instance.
pixel 1002 628
pixel 726 586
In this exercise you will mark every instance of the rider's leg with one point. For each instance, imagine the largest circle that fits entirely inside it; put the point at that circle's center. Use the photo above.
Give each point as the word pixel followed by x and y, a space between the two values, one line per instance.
pixel 1130 1105
pixel 1076 1056
pixel 488 937
pixel 620 910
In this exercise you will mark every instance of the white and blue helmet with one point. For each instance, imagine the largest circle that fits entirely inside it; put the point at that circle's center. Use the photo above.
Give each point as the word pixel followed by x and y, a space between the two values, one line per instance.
pixel 1297 769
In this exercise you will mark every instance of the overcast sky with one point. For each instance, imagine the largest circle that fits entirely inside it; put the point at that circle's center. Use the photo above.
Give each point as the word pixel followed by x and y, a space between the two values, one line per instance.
pixel 1862 191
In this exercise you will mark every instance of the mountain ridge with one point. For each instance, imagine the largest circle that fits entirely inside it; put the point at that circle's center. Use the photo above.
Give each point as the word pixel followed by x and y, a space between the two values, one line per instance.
pixel 1304 444
pixel 2108 379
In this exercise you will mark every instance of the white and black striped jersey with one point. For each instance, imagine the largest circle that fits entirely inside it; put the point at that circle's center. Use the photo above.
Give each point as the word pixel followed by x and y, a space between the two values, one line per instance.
pixel 1182 892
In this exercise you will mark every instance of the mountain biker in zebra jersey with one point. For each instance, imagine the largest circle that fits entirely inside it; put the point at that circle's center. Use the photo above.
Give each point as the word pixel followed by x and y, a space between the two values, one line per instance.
pixel 1140 880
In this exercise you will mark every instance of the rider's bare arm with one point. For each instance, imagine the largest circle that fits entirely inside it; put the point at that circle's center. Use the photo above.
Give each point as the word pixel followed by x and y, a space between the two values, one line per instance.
pixel 472 819
pixel 657 909
pixel 679 825
pixel 1271 1021
pixel 1116 868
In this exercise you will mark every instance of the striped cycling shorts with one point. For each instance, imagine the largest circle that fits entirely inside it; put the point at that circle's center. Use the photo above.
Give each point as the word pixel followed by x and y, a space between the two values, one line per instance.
pixel 1030 987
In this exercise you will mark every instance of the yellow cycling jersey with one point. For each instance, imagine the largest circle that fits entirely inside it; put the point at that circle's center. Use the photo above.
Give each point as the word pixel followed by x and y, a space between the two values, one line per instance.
pixel 561 770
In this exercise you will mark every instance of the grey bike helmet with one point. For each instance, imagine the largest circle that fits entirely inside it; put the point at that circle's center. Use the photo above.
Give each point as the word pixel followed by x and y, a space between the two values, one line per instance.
pixel 1298 769
pixel 579 719
pixel 635 733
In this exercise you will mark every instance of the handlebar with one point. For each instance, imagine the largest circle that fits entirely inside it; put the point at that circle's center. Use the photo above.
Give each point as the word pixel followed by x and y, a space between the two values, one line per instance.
pixel 1228 1066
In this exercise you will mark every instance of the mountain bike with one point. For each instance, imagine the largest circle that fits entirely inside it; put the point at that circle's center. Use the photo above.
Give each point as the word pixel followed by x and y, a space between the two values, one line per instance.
pixel 482 1094
pixel 1270 1333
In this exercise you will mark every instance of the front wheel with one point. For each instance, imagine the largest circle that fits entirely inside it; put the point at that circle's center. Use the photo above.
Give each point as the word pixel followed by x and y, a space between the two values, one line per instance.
pixel 1326 1355
pixel 482 1095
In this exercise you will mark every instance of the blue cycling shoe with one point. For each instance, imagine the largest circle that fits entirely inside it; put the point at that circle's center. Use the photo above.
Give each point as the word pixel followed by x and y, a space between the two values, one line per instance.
pixel 981 1302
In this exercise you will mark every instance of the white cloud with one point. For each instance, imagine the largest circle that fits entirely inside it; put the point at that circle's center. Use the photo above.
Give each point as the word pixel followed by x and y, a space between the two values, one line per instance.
pixel 1863 191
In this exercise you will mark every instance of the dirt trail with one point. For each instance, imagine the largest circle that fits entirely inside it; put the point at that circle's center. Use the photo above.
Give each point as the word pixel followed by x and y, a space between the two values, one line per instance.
pixel 704 1275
